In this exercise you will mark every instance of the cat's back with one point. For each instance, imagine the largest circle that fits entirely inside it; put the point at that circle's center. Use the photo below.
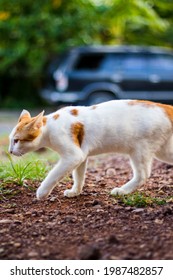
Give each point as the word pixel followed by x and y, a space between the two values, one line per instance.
pixel 129 110
pixel 129 115
pixel 93 113
pixel 133 109
pixel 116 111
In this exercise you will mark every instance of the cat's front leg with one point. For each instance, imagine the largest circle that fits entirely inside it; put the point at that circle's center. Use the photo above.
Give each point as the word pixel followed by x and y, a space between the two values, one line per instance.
pixel 79 178
pixel 64 166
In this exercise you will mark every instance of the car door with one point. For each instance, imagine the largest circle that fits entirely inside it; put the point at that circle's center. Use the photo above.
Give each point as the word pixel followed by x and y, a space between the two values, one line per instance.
pixel 160 74
pixel 129 71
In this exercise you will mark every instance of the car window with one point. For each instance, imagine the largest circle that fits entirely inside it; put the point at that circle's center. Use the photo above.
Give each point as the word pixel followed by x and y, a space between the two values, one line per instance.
pixel 161 63
pixel 127 63
pixel 134 63
pixel 111 62
pixel 89 62
pixel 100 62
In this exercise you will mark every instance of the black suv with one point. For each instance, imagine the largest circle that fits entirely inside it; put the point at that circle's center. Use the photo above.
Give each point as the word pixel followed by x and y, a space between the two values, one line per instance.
pixel 90 75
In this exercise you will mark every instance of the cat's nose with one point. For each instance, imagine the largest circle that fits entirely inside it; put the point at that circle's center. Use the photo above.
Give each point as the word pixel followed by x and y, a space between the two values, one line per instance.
pixel 10 151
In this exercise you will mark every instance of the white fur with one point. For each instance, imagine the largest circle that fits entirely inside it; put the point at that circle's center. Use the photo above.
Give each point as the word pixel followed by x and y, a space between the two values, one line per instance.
pixel 142 132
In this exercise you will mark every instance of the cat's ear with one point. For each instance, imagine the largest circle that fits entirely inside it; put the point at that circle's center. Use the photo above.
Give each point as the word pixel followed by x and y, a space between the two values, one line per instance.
pixel 38 121
pixel 24 115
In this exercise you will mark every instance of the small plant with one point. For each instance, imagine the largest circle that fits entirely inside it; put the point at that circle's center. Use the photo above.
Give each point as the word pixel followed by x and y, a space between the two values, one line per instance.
pixel 21 170
pixel 139 200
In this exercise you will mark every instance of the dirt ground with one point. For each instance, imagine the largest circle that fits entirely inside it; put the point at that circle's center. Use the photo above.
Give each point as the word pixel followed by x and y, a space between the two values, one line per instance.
pixel 92 226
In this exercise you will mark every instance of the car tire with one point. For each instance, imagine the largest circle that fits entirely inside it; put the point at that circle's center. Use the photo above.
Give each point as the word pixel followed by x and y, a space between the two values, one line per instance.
pixel 99 97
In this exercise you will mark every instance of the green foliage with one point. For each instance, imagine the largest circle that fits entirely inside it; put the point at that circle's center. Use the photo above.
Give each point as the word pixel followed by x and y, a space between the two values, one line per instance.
pixel 16 173
pixel 138 199
pixel 124 21
pixel 21 170
pixel 34 32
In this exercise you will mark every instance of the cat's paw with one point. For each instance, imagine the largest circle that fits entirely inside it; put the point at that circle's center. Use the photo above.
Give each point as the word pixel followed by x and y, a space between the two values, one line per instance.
pixel 118 191
pixel 70 193
pixel 41 193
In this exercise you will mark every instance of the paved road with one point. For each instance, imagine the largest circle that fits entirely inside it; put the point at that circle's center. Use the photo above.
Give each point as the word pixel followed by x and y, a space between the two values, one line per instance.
pixel 7 121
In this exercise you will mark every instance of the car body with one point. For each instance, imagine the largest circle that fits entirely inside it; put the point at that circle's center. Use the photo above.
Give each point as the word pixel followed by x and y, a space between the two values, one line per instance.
pixel 94 74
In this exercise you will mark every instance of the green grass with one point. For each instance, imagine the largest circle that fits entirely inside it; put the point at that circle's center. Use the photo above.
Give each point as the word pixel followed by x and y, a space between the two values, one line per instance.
pixel 32 166
pixel 21 171
pixel 140 200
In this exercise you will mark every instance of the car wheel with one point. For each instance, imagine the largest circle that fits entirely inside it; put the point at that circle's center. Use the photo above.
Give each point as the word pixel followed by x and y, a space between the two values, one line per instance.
pixel 99 97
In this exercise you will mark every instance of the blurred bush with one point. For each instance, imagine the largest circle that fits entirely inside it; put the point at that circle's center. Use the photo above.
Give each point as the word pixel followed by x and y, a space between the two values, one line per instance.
pixel 34 32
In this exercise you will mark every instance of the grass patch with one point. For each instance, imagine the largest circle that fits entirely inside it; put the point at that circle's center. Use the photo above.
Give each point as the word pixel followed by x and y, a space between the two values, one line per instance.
pixel 140 200
pixel 18 170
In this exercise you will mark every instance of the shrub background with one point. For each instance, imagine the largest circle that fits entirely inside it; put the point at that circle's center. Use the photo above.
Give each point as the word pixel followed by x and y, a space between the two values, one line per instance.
pixel 33 33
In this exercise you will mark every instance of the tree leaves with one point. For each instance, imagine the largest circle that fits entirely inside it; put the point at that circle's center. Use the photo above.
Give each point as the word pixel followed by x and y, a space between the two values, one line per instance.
pixel 33 31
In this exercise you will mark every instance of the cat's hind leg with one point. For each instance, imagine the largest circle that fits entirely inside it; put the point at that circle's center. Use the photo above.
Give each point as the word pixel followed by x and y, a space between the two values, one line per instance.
pixel 165 153
pixel 141 165
pixel 79 179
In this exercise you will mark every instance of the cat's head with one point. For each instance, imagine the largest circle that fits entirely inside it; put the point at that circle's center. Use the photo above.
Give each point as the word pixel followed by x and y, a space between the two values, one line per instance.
pixel 26 135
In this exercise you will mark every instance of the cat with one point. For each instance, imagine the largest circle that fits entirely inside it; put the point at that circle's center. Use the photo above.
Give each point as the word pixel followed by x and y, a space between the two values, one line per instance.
pixel 143 130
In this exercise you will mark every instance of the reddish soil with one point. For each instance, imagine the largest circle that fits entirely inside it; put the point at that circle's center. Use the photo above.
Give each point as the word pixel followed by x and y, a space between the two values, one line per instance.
pixel 94 225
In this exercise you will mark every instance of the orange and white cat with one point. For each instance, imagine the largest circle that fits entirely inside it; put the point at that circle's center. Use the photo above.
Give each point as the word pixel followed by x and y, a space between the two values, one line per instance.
pixel 142 130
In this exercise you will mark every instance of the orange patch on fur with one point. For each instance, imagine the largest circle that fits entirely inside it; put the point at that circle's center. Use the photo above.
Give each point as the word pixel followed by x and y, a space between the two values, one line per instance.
pixel 77 130
pixel 168 109
pixel 56 116
pixel 44 121
pixel 143 102
pixel 74 112
pixel 24 118
pixel 25 131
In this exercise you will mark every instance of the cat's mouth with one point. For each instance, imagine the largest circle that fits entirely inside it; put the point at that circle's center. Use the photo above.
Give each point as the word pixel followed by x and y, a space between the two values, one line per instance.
pixel 17 154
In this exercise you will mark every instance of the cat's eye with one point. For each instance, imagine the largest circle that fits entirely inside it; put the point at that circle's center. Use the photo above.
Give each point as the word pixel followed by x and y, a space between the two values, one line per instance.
pixel 16 141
